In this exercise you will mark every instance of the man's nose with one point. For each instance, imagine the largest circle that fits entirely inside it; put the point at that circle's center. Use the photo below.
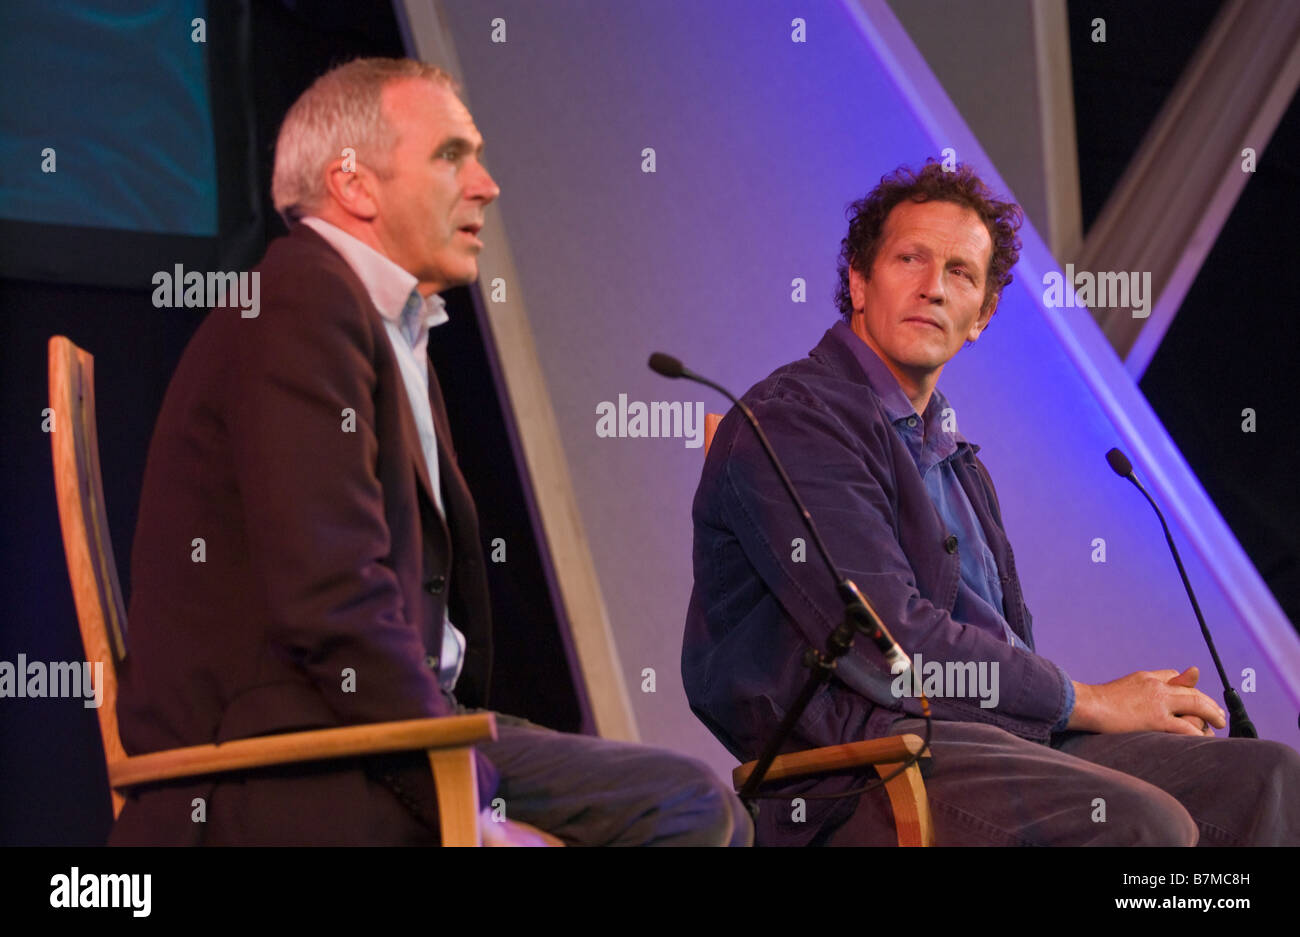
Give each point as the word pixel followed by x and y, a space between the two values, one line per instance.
pixel 482 186
pixel 932 288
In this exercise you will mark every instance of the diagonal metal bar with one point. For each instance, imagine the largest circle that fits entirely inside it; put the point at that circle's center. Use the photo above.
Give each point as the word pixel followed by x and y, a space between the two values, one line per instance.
pixel 531 421
pixel 1182 184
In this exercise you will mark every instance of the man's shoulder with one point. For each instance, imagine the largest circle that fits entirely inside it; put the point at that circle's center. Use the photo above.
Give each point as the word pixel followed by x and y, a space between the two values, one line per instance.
pixel 814 407
pixel 288 256
pixel 304 282
pixel 826 379
pixel 306 294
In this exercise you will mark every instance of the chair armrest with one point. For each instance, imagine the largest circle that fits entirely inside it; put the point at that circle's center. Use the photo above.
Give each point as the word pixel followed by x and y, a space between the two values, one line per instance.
pixel 442 732
pixel 890 750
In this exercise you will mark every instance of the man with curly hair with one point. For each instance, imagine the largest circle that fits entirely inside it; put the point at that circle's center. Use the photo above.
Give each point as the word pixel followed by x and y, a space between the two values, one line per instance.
pixel 904 503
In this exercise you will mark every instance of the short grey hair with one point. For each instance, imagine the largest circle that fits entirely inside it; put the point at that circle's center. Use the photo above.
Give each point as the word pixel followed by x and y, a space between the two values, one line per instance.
pixel 342 108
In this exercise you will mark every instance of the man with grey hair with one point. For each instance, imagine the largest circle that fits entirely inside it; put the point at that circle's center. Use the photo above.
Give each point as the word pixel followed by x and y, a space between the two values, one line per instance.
pixel 342 579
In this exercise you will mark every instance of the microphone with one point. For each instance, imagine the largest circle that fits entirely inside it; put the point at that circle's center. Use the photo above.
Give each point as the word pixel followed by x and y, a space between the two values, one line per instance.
pixel 864 616
pixel 1239 724
pixel 667 365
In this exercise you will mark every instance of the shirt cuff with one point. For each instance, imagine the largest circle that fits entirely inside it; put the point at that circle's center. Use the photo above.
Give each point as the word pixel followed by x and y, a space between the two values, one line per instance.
pixel 1069 702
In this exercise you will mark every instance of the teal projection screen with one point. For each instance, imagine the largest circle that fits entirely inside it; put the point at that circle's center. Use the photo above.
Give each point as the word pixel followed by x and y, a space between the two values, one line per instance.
pixel 111 118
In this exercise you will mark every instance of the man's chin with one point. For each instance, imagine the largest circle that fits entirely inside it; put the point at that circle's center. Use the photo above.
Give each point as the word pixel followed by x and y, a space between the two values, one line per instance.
pixel 468 274
pixel 449 279
pixel 928 359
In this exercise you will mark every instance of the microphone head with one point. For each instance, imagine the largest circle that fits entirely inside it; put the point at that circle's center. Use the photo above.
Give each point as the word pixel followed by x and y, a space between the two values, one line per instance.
pixel 666 365
pixel 1119 463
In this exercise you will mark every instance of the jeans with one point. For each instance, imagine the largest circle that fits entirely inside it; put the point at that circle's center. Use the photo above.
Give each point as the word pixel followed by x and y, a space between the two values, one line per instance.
pixel 989 787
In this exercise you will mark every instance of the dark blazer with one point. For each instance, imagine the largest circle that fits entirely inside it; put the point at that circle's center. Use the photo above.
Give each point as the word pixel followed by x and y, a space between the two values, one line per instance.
pixel 290 568
pixel 757 603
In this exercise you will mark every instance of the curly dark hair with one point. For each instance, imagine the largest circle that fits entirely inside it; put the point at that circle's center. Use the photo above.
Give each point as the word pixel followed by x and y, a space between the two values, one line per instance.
pixel 867 218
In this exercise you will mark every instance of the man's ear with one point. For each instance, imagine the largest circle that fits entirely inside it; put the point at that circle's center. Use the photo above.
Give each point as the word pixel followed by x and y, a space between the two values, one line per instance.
pixel 857 288
pixel 352 189
pixel 982 322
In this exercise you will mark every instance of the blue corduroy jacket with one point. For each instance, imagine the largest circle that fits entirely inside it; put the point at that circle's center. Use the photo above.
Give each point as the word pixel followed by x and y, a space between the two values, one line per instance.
pixel 762 593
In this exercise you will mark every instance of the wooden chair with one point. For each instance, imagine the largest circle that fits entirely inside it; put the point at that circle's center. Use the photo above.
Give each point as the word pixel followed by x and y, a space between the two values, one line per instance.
pixel 102 619
pixel 906 792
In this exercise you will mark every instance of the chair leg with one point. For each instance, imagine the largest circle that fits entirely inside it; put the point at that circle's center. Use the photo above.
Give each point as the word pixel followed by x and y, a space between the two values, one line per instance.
pixel 457 784
pixel 911 808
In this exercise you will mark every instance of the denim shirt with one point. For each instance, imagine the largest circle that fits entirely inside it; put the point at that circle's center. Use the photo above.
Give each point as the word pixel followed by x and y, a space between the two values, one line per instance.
pixel 933 439
pixel 762 595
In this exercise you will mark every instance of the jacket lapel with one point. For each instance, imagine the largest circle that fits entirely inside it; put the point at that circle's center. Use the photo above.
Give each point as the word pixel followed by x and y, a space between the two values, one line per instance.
pixel 411 443
pixel 454 488
pixel 410 435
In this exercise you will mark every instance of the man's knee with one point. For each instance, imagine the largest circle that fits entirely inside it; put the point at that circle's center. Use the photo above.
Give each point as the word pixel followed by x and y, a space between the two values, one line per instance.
pixel 1267 776
pixel 1278 766
pixel 1143 817
pixel 698 809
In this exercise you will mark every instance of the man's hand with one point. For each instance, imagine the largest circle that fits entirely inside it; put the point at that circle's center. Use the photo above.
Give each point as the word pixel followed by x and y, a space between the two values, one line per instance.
pixel 1146 701
pixel 1188 678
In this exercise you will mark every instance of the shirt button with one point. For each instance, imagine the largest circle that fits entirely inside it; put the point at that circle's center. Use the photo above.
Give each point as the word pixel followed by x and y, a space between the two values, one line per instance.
pixel 435 585
pixel 911 421
pixel 951 543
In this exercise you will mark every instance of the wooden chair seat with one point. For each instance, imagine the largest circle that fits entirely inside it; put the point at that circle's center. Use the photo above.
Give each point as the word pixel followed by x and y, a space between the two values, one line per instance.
pixel 906 792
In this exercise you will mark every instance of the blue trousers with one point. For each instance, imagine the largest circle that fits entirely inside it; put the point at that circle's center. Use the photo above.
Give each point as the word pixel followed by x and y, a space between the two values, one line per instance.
pixel 989 787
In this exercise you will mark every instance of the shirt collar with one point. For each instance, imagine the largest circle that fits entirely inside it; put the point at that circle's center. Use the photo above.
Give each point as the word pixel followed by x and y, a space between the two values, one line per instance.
pixel 896 404
pixel 388 285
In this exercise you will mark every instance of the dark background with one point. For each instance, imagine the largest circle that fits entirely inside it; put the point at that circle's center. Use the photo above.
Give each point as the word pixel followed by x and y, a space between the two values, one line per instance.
pixel 1235 341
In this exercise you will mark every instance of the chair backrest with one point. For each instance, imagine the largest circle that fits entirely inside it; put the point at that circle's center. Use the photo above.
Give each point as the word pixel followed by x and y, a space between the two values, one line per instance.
pixel 711 421
pixel 86 544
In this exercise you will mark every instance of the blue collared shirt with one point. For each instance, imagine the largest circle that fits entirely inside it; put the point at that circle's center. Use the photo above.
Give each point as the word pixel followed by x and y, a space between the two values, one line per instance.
pixel 407 316
pixel 933 439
